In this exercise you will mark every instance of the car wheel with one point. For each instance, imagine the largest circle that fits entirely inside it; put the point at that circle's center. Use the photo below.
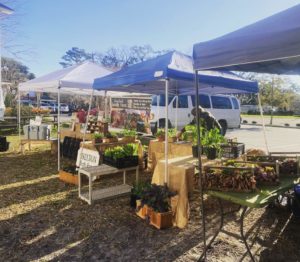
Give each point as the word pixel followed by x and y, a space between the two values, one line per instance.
pixel 223 125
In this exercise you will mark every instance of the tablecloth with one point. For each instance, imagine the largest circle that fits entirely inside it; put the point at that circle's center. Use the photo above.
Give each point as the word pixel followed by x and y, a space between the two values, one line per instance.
pixel 181 180
pixel 176 149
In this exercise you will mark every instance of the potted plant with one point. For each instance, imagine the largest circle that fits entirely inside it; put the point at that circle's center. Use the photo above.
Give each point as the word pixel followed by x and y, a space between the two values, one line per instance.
pixel 190 135
pixel 97 138
pixel 136 194
pixel 160 134
pixel 157 199
pixel 110 137
pixel 211 143
pixel 128 135
pixel 122 156
pixel 172 132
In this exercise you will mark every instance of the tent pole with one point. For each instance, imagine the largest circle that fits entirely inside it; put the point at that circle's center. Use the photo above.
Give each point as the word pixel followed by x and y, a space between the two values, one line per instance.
pixel 272 101
pixel 176 113
pixel 157 102
pixel 19 115
pixel 200 163
pixel 85 127
pixel 263 122
pixel 58 128
pixel 105 105
pixel 166 131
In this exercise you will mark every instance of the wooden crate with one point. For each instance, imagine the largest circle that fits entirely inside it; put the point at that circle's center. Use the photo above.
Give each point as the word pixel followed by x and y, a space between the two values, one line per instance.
pixel 68 177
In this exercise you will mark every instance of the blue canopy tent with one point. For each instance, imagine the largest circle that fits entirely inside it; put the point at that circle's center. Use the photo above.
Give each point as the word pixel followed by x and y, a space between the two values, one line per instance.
pixel 271 45
pixel 171 73
pixel 176 68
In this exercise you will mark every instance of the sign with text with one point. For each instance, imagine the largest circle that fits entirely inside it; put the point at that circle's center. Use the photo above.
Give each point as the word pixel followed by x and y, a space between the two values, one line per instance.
pixel 88 158
pixel 131 103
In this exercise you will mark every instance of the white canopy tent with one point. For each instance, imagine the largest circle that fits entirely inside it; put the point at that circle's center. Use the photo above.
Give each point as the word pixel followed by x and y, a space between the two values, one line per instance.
pixel 73 80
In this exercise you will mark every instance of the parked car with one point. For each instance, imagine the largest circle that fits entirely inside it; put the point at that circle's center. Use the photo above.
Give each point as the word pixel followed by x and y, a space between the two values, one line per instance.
pixel 64 108
pixel 226 109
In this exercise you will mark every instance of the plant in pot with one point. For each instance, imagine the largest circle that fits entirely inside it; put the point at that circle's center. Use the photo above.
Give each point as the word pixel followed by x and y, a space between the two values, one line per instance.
pixel 128 135
pixel 97 138
pixel 110 137
pixel 136 194
pixel 122 156
pixel 211 143
pixel 190 135
pixel 172 132
pixel 157 198
pixel 160 134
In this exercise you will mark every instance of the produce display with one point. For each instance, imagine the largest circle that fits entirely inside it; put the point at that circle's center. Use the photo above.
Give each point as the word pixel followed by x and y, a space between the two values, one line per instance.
pixel 121 156
pixel 288 167
pixel 229 178
pixel 266 175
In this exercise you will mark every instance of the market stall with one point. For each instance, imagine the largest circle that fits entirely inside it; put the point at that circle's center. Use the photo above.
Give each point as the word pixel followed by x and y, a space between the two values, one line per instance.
pixel 171 74
pixel 75 79
pixel 271 45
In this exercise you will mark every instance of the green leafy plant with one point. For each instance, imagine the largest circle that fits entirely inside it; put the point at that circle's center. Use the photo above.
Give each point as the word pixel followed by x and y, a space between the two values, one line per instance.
pixel 98 135
pixel 122 151
pixel 138 189
pixel 213 139
pixel 172 132
pixel 160 132
pixel 190 133
pixel 111 135
pixel 128 132
pixel 157 197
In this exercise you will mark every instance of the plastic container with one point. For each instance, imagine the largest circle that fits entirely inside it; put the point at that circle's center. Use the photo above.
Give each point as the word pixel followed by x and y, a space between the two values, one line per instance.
pixel 124 162
pixel 232 150
pixel 41 132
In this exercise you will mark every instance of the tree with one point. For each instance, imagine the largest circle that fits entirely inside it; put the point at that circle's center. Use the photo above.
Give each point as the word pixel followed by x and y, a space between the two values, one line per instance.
pixel 278 91
pixel 13 73
pixel 75 56
pixel 114 58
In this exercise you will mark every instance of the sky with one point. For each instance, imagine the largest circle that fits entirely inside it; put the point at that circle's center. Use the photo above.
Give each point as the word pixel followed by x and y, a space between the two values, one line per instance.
pixel 48 28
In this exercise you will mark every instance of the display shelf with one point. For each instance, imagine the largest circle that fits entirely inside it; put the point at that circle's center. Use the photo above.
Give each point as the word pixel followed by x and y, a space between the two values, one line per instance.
pixel 106 193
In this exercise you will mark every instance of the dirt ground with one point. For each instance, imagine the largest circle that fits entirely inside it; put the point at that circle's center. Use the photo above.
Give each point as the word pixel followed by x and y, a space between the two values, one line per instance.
pixel 42 219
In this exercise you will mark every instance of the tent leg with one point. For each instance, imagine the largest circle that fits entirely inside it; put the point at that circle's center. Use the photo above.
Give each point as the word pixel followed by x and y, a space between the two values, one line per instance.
pixel 176 113
pixel 200 164
pixel 263 123
pixel 105 105
pixel 58 128
pixel 157 102
pixel 85 127
pixel 19 116
pixel 166 131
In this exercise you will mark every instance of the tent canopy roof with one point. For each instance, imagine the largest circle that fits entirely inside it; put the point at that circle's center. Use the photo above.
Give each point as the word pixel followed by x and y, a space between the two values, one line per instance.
pixel 148 77
pixel 77 79
pixel 271 45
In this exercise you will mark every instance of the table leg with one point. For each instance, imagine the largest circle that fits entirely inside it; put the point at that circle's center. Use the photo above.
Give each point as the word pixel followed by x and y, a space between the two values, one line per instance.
pixel 79 184
pixel 137 175
pixel 124 177
pixel 90 190
pixel 218 231
pixel 242 233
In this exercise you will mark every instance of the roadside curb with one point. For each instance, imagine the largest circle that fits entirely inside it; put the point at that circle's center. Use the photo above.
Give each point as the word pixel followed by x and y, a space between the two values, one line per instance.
pixel 292 127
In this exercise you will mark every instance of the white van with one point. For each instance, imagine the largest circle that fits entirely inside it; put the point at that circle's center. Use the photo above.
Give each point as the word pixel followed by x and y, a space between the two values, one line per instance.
pixel 226 109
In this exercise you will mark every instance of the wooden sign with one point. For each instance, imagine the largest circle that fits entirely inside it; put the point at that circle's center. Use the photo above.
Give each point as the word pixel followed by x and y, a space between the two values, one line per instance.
pixel 87 157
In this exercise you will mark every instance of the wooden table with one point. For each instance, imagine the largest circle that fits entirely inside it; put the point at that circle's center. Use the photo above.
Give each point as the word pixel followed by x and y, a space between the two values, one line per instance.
pixel 104 170
pixel 33 141
pixel 258 199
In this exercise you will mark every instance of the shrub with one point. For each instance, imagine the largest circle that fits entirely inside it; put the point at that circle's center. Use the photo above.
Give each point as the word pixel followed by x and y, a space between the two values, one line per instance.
pixel 245 122
pixel 286 124
pixel 254 122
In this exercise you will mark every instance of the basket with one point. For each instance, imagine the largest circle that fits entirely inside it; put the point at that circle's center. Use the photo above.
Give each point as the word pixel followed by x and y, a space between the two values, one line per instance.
pixel 124 162
pixel 232 150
